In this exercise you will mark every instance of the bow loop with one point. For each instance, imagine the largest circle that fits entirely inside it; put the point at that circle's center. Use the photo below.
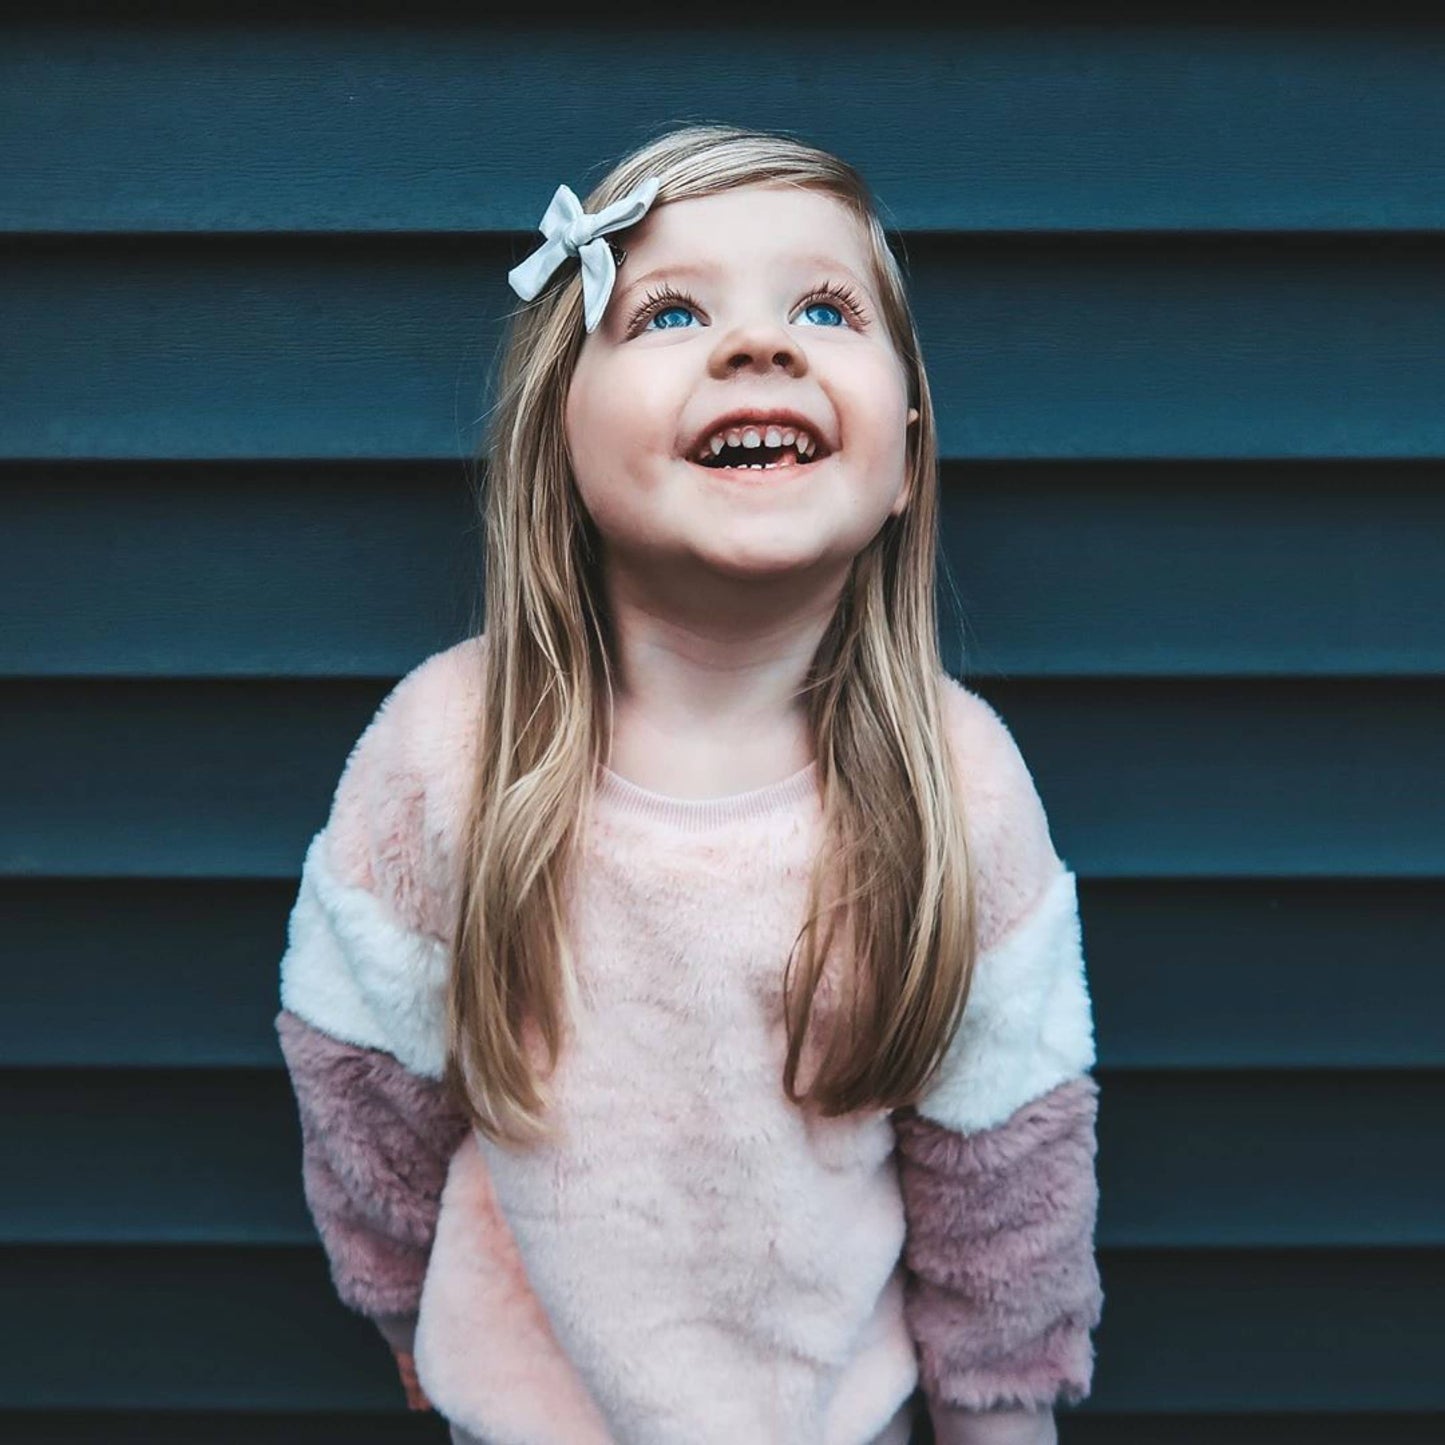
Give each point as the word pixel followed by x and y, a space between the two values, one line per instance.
pixel 571 231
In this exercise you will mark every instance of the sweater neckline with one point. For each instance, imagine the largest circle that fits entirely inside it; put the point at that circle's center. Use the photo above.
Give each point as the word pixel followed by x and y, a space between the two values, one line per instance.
pixel 700 813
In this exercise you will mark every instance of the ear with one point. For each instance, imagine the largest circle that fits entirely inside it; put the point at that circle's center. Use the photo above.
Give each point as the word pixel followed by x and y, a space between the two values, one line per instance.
pixel 901 504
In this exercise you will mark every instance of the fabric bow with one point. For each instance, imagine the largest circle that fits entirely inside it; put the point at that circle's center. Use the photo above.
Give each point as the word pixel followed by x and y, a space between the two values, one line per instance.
pixel 570 231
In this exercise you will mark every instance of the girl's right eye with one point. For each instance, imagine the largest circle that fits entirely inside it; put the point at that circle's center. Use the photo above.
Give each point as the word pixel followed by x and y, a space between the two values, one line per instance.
pixel 666 309
pixel 670 318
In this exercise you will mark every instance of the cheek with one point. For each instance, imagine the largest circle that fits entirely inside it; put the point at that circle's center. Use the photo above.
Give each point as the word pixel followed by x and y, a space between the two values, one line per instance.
pixel 581 421
pixel 610 424
pixel 881 396
pixel 871 369
pixel 596 443
pixel 609 441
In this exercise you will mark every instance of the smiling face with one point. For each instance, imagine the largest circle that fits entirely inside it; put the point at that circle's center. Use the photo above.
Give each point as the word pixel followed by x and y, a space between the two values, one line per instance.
pixel 742 407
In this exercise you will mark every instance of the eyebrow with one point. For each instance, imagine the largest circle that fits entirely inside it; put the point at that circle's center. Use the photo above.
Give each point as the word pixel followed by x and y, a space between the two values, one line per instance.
pixel 683 268
pixel 810 261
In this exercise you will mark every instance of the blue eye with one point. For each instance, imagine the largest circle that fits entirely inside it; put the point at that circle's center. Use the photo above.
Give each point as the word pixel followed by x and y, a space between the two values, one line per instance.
pixel 671 309
pixel 823 313
pixel 671 318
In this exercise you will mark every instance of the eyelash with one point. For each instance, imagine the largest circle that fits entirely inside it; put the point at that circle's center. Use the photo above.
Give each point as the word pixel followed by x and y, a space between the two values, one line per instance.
pixel 839 292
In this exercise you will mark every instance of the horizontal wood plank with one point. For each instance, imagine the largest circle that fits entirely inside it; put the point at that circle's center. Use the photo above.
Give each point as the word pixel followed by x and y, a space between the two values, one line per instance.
pixel 189 1427
pixel 1162 125
pixel 1208 973
pixel 1082 1425
pixel 357 570
pixel 1087 1426
pixel 1077 348
pixel 1187 1159
pixel 1141 778
pixel 206 1328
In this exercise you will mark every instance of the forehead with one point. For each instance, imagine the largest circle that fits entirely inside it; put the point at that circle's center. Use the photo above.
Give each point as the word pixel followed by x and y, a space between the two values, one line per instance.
pixel 747 227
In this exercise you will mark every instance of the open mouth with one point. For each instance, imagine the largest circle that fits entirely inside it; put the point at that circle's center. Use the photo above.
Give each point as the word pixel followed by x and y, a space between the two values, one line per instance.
pixel 762 448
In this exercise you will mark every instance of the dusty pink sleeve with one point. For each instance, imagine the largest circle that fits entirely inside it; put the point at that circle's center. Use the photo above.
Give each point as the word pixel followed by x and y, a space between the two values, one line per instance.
pixel 376 1144
pixel 1003 1288
pixel 377 1136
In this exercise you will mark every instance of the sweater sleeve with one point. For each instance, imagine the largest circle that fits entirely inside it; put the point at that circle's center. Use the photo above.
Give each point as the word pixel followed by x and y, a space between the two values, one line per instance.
pixel 997 1158
pixel 361 1030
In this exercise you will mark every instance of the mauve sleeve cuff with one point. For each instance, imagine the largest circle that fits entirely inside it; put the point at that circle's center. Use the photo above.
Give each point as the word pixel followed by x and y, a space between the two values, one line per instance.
pixel 1003 1287
pixel 377 1141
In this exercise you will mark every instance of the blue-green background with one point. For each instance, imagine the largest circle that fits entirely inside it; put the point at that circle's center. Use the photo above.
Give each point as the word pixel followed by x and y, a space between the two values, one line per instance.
pixel 1181 281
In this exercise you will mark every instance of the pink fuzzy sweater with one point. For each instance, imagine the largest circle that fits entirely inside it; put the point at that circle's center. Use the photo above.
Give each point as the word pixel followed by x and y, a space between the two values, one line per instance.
pixel 695 1259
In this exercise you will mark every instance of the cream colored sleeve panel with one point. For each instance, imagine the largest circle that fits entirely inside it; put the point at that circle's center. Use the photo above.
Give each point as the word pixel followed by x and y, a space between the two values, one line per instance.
pixel 1028 1025
pixel 353 971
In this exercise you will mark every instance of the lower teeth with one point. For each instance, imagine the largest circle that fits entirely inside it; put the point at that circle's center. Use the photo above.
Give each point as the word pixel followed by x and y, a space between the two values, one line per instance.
pixel 722 466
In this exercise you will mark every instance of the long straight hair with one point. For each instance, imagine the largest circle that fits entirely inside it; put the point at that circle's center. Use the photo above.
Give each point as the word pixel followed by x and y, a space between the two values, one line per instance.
pixel 892 879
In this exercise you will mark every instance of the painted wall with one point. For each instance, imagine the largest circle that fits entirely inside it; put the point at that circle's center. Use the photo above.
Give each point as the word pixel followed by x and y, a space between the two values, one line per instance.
pixel 1181 285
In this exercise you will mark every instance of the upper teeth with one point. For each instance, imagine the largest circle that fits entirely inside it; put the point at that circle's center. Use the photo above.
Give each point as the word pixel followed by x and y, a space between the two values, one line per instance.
pixel 763 435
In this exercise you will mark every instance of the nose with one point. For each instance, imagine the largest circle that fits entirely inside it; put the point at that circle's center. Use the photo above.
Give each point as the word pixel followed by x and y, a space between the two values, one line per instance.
pixel 759 346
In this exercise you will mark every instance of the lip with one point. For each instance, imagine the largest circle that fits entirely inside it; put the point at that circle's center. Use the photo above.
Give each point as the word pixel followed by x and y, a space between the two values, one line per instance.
pixel 763 416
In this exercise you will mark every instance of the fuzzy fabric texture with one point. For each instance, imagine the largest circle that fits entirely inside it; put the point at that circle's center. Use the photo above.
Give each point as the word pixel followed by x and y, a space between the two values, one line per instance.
pixel 368 937
pixel 898 1432
pixel 486 1353
pixel 692 1256
pixel 1028 1025
pixel 1005 1287
pixel 685 1202
pixel 377 1141
pixel 351 964
pixel 396 816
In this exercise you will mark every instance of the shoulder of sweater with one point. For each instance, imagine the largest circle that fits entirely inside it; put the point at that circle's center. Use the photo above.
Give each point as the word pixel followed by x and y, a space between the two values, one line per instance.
pixel 368 939
pixel 1028 1024
pixel 427 723
pixel 399 805
pixel 1010 843
pixel 443 708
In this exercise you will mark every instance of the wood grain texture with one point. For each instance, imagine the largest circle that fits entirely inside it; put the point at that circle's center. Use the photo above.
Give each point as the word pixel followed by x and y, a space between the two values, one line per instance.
pixel 355 569
pixel 1092 122
pixel 1072 348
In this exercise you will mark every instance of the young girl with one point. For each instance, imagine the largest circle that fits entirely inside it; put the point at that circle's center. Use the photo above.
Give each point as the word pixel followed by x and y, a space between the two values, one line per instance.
pixel 684 998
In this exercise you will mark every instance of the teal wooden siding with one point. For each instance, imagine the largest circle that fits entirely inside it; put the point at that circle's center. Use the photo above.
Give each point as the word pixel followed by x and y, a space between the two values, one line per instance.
pixel 1181 285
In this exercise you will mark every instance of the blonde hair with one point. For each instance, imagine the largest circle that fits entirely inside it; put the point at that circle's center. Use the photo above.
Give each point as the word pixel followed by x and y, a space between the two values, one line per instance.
pixel 892 827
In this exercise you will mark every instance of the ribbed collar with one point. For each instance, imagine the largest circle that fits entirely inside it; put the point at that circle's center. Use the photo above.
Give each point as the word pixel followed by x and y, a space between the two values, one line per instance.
pixel 698 814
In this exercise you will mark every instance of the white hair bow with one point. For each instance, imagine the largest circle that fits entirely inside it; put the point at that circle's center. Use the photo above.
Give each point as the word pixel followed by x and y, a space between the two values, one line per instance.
pixel 570 231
